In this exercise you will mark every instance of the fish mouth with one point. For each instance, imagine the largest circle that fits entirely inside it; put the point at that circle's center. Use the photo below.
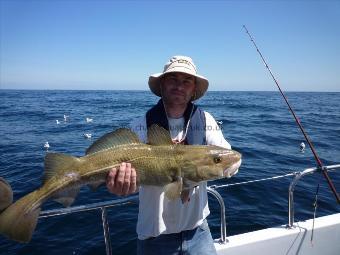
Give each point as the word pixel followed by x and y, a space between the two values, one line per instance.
pixel 232 170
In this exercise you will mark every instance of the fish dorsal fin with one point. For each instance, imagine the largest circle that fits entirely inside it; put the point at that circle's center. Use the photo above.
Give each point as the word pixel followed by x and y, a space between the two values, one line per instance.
pixel 158 136
pixel 118 137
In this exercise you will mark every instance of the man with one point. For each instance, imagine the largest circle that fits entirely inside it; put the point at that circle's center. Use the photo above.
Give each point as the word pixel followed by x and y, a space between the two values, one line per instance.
pixel 179 226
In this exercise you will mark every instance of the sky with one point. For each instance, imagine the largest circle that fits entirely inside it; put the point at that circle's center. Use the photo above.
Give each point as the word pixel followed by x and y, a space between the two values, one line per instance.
pixel 108 44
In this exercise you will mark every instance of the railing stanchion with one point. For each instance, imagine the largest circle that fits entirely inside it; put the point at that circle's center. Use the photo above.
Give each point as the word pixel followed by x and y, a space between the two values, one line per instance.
pixel 222 214
pixel 298 176
pixel 106 232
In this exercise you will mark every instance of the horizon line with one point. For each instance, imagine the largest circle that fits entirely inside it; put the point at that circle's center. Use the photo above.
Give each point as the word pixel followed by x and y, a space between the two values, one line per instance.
pixel 141 90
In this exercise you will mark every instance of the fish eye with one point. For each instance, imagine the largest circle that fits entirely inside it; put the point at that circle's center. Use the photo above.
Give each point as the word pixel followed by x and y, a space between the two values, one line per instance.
pixel 217 159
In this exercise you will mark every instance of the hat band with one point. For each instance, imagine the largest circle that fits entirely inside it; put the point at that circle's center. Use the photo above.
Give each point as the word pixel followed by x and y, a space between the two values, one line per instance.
pixel 182 61
pixel 192 72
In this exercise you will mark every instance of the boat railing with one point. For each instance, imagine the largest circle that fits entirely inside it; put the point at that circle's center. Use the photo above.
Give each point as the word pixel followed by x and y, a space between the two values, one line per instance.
pixel 223 224
pixel 292 185
pixel 297 176
pixel 94 206
pixel 211 190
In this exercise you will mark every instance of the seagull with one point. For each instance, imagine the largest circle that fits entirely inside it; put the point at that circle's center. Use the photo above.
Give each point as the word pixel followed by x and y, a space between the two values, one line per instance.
pixel 46 145
pixel 65 117
pixel 88 120
pixel 58 122
pixel 88 135
pixel 302 147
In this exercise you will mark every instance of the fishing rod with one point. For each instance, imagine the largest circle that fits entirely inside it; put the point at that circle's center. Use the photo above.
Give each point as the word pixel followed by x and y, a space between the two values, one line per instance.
pixel 318 161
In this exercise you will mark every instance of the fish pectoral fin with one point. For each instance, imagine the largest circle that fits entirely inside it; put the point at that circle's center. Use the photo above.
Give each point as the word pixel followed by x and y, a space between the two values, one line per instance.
pixel 173 190
pixel 158 136
pixel 66 197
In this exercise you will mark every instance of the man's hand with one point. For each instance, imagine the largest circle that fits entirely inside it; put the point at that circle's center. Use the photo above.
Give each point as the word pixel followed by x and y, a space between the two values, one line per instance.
pixel 122 181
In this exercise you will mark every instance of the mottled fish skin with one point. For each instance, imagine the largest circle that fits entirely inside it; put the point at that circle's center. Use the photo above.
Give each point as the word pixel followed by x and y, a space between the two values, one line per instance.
pixel 171 166
pixel 155 165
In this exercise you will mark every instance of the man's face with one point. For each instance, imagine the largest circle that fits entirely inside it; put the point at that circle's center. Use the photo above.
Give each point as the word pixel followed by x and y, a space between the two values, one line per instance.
pixel 178 88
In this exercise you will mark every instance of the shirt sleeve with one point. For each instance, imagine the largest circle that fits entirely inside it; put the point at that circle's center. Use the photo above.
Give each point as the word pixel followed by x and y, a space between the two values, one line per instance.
pixel 214 135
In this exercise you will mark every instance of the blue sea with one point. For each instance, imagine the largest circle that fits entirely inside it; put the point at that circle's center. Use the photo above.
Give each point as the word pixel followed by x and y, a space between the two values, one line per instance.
pixel 258 124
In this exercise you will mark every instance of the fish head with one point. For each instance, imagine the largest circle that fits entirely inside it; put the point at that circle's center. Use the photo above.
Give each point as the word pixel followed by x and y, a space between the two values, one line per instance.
pixel 203 163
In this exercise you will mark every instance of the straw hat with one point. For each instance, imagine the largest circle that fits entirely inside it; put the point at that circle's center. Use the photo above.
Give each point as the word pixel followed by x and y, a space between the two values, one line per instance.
pixel 180 64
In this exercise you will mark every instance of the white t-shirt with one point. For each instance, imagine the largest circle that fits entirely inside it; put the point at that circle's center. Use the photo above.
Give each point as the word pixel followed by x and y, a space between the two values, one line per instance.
pixel 176 127
pixel 158 215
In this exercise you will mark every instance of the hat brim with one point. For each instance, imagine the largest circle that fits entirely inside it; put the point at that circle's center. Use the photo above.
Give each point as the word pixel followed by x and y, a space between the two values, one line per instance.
pixel 202 84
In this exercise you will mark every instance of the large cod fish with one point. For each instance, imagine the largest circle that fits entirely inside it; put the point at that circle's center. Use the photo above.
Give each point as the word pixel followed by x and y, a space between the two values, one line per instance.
pixel 159 163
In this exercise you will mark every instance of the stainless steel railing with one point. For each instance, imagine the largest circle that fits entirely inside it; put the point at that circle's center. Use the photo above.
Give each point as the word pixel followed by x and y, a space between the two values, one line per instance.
pixel 124 201
pixel 89 207
pixel 298 176
pixel 94 206
pixel 223 223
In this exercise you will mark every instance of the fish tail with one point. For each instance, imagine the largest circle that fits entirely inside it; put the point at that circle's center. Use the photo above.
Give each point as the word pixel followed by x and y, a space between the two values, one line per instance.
pixel 18 221
pixel 6 194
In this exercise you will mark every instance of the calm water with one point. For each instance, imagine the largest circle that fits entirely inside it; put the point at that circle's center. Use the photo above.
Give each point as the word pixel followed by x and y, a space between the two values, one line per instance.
pixel 257 124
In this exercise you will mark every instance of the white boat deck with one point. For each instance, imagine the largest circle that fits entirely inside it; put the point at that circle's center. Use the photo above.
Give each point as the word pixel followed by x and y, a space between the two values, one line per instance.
pixel 285 241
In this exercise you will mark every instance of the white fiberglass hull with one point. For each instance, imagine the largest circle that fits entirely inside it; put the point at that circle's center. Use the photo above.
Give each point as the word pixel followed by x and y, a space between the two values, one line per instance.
pixel 285 241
